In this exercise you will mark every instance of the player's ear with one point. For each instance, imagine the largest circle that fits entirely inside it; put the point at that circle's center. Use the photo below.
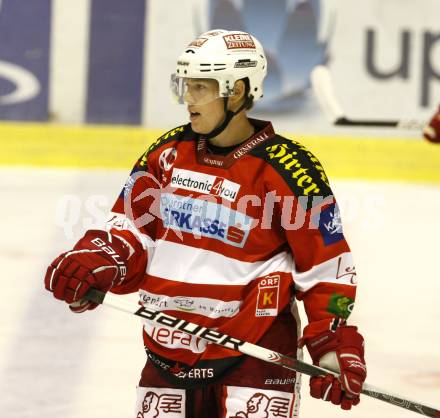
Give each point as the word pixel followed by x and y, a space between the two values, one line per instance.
pixel 239 89
pixel 239 92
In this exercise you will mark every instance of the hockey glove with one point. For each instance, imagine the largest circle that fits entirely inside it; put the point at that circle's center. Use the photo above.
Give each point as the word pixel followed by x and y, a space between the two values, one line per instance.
pixel 341 351
pixel 98 260
pixel 432 131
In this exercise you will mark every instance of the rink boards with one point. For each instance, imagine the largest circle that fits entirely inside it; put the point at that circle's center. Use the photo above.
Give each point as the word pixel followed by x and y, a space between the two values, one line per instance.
pixel 343 156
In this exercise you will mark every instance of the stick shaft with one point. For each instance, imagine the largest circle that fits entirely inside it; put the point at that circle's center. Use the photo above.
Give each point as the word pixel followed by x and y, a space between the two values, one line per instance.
pixel 410 124
pixel 249 349
pixel 323 88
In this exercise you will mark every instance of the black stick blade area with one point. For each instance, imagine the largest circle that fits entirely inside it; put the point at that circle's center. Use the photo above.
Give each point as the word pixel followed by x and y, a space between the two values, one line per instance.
pixel 377 123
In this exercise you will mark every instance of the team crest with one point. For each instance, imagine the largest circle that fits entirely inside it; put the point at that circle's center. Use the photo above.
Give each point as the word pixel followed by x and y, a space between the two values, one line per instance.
pixel 167 158
pixel 250 403
pixel 158 403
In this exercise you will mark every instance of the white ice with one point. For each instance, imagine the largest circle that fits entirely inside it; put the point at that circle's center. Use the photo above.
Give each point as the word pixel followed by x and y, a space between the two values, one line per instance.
pixel 57 364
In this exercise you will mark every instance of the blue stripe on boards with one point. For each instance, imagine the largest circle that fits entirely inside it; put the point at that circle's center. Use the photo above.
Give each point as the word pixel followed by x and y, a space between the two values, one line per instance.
pixel 114 93
pixel 24 59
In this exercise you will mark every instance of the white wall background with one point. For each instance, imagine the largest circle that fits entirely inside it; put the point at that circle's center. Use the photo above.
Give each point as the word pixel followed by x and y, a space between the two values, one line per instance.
pixel 171 26
pixel 363 96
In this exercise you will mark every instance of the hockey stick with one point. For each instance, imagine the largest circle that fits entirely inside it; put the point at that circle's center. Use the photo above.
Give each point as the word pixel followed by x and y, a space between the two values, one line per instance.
pixel 323 89
pixel 212 336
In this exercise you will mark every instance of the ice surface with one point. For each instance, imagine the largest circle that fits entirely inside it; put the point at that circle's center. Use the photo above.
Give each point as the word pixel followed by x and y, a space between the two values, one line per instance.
pixel 54 363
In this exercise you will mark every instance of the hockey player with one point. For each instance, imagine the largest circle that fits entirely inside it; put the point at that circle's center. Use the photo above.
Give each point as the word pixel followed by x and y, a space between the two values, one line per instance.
pixel 432 130
pixel 225 223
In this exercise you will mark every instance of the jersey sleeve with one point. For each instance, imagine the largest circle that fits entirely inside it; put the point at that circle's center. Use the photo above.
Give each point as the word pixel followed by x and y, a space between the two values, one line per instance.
pixel 127 224
pixel 324 274
pixel 134 216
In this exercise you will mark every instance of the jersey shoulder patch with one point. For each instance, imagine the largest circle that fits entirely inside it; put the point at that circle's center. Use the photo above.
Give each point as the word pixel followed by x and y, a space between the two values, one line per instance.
pixel 300 169
pixel 174 134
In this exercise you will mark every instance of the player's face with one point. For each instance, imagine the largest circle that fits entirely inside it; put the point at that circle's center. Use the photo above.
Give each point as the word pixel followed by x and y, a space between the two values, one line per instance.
pixel 197 91
pixel 205 115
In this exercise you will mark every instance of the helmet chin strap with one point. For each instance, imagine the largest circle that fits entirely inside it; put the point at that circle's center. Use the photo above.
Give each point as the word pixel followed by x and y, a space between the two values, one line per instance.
pixel 229 114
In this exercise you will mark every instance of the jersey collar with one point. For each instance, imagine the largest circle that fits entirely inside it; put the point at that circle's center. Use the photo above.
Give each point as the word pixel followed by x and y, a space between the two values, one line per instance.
pixel 265 131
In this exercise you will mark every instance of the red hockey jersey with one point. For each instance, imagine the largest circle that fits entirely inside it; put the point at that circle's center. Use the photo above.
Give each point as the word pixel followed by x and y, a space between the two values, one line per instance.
pixel 230 241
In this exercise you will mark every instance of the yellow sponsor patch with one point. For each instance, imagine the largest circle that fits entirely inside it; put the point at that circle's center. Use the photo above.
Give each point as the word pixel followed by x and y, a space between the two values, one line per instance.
pixel 300 170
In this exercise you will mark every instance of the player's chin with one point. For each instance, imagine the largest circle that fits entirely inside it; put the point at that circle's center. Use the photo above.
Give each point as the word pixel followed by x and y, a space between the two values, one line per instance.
pixel 199 128
pixel 195 128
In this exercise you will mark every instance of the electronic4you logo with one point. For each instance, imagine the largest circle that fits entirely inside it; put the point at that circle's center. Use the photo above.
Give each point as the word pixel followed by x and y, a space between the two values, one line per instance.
pixel 204 183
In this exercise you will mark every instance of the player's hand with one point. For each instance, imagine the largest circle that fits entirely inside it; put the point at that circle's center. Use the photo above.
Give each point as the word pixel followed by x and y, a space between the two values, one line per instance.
pixel 432 131
pixel 98 260
pixel 341 351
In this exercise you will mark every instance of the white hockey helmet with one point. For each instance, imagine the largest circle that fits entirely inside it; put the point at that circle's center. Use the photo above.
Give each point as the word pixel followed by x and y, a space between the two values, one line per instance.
pixel 225 56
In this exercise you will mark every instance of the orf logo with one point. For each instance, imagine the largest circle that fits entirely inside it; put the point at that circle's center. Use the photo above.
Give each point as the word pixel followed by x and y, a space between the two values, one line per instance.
pixel 268 295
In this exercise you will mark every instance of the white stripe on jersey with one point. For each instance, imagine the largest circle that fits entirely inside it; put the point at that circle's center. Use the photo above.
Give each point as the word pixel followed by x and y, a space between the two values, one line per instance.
pixel 183 263
pixel 211 308
pixel 339 270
